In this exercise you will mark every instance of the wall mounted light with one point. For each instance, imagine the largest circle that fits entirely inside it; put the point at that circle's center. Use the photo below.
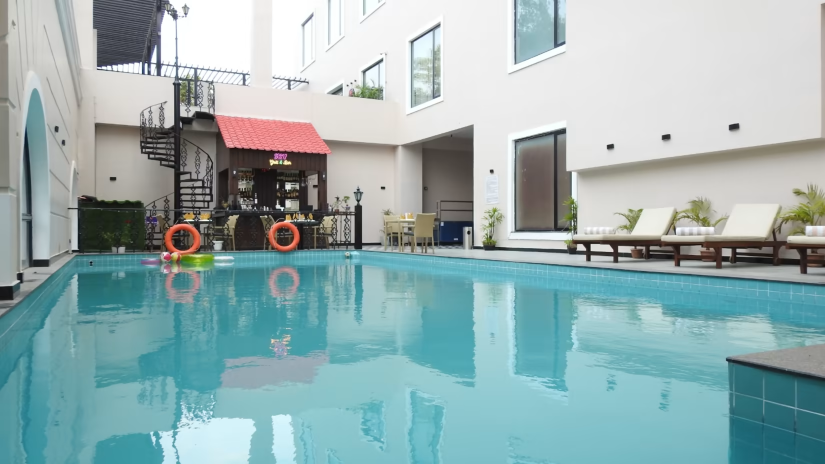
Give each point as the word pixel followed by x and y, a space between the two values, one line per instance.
pixel 383 188
pixel 323 175
pixel 63 142
pixel 666 137
pixel 734 127
pixel 57 128
pixel 113 179
pixel 611 146
pixel 492 171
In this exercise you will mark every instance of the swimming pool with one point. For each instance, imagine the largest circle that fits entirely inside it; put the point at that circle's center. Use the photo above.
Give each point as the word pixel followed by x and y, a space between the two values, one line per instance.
pixel 317 358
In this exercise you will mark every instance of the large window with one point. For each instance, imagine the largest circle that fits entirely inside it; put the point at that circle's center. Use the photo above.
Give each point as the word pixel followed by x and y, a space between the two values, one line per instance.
pixel 540 27
pixel 542 183
pixel 425 67
pixel 373 78
pixel 308 41
pixel 368 6
pixel 335 21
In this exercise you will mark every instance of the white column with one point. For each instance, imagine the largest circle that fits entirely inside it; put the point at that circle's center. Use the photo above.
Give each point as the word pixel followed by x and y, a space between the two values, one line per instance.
pixel 86 34
pixel 261 66
pixel 409 183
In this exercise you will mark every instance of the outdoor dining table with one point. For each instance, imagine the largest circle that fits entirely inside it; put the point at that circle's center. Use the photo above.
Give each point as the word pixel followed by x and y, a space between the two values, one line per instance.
pixel 405 223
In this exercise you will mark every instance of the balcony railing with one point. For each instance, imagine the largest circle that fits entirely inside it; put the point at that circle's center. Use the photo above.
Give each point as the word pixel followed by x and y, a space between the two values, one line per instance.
pixel 216 75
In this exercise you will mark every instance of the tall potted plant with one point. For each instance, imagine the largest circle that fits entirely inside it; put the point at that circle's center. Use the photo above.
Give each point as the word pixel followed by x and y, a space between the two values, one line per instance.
pixel 808 212
pixel 572 220
pixel 631 218
pixel 492 218
pixel 700 212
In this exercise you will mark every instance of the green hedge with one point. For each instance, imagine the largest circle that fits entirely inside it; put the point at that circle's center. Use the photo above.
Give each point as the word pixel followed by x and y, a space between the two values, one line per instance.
pixel 104 224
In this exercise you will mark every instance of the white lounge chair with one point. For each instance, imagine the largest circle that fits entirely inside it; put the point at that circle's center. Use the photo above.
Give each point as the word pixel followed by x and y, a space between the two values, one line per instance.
pixel 653 223
pixel 802 243
pixel 749 226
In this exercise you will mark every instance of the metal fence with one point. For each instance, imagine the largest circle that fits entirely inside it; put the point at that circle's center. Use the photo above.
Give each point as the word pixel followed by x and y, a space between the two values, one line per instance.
pixel 138 230
pixel 215 75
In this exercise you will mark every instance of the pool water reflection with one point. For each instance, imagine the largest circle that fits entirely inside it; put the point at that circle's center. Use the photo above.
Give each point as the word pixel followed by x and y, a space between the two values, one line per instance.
pixel 365 364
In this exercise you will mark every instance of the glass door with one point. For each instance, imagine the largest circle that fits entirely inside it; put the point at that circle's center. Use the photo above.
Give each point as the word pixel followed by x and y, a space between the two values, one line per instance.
pixel 26 209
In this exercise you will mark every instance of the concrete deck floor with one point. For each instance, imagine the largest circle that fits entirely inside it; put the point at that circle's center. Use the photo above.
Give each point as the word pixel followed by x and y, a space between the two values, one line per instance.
pixel 783 273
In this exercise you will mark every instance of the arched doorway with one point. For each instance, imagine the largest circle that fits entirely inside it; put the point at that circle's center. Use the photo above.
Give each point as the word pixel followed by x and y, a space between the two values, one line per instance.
pixel 35 185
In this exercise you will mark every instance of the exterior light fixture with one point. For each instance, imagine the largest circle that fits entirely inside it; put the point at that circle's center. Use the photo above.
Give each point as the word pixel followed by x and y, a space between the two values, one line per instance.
pixel 358 195
pixel 185 10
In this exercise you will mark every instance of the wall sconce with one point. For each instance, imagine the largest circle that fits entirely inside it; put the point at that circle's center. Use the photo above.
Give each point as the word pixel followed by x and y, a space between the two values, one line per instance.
pixel 733 127
pixel 492 171
pixel 611 146
pixel 63 142
pixel 323 175
pixel 57 128
pixel 666 137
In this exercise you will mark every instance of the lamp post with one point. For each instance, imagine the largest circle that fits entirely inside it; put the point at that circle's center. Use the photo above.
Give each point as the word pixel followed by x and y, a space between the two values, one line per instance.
pixel 359 238
pixel 174 14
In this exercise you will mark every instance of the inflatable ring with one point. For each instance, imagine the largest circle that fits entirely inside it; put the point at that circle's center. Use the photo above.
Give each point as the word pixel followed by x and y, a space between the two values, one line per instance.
pixel 196 238
pixel 197 259
pixel 273 281
pixel 296 236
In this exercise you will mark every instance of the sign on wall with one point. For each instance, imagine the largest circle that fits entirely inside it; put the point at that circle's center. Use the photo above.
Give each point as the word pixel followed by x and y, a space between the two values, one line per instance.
pixel 491 191
pixel 280 159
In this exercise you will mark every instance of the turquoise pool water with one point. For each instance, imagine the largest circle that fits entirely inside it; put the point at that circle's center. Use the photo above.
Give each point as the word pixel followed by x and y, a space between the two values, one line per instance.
pixel 316 359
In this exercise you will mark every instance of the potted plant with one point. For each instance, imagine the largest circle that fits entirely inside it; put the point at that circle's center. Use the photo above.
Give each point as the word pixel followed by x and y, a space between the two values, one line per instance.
pixel 337 205
pixel 492 218
pixel 808 212
pixel 699 212
pixel 632 218
pixel 346 203
pixel 572 220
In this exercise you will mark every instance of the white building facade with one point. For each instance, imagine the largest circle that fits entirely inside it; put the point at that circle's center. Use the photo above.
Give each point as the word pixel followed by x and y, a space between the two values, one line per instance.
pixel 619 105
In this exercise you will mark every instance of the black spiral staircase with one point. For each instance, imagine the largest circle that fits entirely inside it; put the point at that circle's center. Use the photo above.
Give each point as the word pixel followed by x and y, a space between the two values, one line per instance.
pixel 196 175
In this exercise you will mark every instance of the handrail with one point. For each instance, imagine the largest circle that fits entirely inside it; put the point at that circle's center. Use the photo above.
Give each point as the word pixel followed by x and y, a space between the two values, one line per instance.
pixel 209 74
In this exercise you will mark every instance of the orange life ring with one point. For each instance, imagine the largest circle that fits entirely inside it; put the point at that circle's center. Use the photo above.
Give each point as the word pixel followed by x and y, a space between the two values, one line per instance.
pixel 187 296
pixel 273 281
pixel 196 238
pixel 296 236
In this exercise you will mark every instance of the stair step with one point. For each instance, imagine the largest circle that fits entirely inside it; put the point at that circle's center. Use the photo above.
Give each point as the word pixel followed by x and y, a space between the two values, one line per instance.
pixel 204 115
pixel 187 119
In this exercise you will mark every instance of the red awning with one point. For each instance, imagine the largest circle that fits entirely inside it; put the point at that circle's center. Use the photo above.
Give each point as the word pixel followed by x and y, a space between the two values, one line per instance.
pixel 270 135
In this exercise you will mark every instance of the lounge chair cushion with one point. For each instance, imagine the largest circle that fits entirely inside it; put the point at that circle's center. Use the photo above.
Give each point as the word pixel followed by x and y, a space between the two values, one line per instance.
pixel 615 238
pixel 804 240
pixel 734 238
pixel 653 222
pixel 751 221
pixel 684 239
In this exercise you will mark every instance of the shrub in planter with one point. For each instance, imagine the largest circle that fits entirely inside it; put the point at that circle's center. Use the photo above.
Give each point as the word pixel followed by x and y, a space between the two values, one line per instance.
pixel 572 220
pixel 808 212
pixel 631 218
pixel 699 212
pixel 492 218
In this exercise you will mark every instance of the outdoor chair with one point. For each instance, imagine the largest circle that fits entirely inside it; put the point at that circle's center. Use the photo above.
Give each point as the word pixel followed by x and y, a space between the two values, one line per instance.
pixel 749 226
pixel 423 229
pixel 392 230
pixel 652 225
pixel 324 230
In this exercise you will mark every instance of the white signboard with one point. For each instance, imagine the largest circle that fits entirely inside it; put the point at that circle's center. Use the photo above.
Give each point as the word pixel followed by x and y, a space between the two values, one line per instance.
pixel 492 190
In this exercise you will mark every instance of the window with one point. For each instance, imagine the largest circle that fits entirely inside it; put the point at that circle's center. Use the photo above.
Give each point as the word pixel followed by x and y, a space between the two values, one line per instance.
pixel 540 26
pixel 335 24
pixel 339 90
pixel 308 41
pixel 542 183
pixel 425 67
pixel 373 78
pixel 368 6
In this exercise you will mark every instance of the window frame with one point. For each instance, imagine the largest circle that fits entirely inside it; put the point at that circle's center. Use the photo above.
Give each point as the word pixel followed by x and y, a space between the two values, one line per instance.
pixel 432 25
pixel 341 15
pixel 336 87
pixel 512 66
pixel 513 234
pixel 383 78
pixel 366 14
pixel 307 19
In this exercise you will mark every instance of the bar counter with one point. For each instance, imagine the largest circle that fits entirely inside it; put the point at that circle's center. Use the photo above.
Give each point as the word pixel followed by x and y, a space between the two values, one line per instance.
pixel 251 227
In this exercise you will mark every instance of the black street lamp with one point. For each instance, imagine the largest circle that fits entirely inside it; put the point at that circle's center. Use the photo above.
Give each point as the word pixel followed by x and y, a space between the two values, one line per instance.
pixel 174 14
pixel 359 237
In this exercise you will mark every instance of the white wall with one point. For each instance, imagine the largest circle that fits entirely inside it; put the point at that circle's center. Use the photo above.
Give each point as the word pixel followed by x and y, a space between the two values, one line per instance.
pixel 448 175
pixel 367 166
pixel 138 178
pixel 408 179
pixel 35 58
